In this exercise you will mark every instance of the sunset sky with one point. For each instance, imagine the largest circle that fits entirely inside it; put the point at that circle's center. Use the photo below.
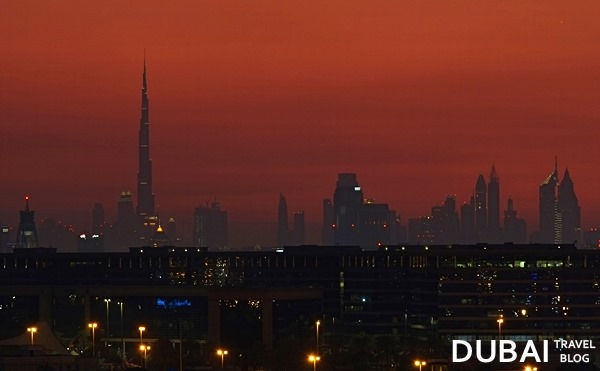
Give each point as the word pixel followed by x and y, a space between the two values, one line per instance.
pixel 252 98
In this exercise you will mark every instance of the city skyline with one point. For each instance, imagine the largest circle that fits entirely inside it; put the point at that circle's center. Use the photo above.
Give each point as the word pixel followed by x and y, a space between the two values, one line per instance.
pixel 352 219
pixel 287 115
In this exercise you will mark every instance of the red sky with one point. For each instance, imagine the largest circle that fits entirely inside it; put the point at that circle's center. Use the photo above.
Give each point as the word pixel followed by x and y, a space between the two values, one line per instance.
pixel 252 98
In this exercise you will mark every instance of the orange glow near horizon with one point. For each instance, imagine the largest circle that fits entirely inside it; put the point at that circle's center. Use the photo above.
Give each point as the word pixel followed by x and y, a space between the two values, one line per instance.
pixel 249 99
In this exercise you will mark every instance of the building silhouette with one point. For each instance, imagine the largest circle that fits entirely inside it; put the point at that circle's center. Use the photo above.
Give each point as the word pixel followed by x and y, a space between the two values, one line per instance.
pixel 421 231
pixel 376 226
pixel 57 233
pixel 467 221
pixel 493 207
pixel 550 226
pixel 515 228
pixel 210 227
pixel 591 238
pixel 285 235
pixel 124 230
pixel 27 236
pixel 171 230
pixel 125 212
pixel 356 221
pixel 145 198
pixel 283 231
pixel 347 203
pixel 569 210
pixel 481 209
pixel 450 222
pixel 442 227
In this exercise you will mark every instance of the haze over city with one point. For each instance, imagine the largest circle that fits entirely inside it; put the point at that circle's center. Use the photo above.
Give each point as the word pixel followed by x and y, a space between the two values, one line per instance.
pixel 252 99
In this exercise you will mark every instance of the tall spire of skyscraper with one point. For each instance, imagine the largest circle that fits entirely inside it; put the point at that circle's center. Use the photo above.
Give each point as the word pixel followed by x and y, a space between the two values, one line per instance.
pixel 145 204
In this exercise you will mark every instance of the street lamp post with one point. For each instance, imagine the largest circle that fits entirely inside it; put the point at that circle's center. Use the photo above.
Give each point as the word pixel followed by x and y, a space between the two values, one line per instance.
pixel 32 330
pixel 222 353
pixel 145 348
pixel 318 323
pixel 107 301
pixel 500 322
pixel 122 339
pixel 314 359
pixel 142 329
pixel 420 364
pixel 93 327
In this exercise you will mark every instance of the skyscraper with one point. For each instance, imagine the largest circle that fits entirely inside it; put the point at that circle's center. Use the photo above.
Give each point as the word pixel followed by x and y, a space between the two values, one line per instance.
pixel 145 197
pixel 123 233
pixel 467 221
pixel 375 224
pixel 171 230
pixel 27 236
pixel 481 209
pixel 283 231
pixel 549 218
pixel 211 227
pixel 420 231
pixel 568 208
pixel 493 207
pixel 125 213
pixel 347 204
pixel 450 222
pixel 515 228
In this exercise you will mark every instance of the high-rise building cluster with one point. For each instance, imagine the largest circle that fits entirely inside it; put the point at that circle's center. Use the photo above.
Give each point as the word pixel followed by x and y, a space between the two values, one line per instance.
pixel 285 235
pixel 134 225
pixel 352 220
pixel 559 213
pixel 349 218
pixel 479 218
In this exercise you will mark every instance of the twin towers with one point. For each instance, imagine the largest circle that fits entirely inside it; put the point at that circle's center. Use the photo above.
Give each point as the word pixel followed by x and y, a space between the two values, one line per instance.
pixel 559 211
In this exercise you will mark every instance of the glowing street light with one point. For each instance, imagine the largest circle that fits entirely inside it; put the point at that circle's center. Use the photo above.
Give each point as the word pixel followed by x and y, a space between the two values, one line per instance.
pixel 93 327
pixel 314 359
pixel 145 348
pixel 142 329
pixel 529 368
pixel 318 323
pixel 222 353
pixel 500 322
pixel 420 364
pixel 32 330
pixel 107 301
